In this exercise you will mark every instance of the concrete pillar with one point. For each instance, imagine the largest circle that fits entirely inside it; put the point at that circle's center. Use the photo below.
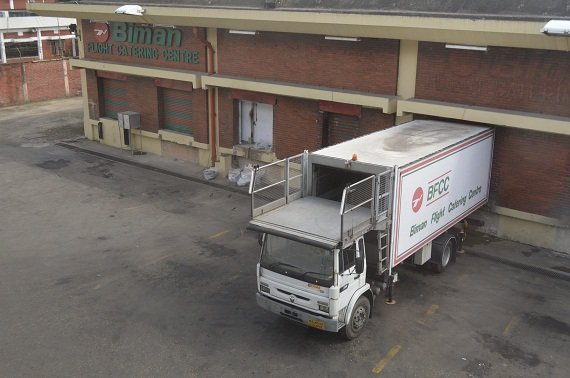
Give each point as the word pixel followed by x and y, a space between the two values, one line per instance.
pixel 2 48
pixel 73 47
pixel 407 66
pixel 40 46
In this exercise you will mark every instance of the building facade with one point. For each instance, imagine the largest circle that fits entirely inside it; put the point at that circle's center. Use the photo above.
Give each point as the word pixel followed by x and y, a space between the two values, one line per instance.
pixel 225 86
pixel 33 53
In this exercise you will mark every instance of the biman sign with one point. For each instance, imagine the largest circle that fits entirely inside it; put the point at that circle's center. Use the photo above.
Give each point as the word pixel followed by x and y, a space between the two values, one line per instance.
pixel 142 42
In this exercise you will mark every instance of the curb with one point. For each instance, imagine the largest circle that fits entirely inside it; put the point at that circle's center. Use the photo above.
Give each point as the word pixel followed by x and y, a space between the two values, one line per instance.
pixel 151 168
pixel 531 268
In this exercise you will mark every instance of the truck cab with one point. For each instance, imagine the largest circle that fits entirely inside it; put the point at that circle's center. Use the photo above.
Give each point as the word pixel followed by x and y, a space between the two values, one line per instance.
pixel 314 285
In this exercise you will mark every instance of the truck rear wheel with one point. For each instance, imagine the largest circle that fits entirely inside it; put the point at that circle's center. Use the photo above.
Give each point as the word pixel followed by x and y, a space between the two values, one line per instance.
pixel 442 252
pixel 358 319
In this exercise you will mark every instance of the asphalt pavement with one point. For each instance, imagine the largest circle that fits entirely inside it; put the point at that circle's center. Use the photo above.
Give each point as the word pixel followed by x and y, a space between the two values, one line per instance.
pixel 114 264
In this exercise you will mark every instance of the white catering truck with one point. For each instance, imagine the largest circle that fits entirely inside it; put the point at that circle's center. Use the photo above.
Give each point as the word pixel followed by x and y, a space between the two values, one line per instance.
pixel 333 224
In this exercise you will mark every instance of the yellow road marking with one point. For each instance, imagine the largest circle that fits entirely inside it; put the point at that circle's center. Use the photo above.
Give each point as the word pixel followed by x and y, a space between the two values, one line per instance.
pixel 510 326
pixel 429 313
pixel 431 310
pixel 382 364
pixel 218 234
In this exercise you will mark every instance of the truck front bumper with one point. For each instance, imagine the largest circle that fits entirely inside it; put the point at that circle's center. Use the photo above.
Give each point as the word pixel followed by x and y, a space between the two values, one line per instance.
pixel 298 315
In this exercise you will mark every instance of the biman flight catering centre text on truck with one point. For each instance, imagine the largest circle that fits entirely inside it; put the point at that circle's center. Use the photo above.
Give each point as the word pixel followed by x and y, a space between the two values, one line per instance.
pixel 333 224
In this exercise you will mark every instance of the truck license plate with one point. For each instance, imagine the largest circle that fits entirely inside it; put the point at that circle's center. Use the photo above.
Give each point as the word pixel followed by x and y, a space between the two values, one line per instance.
pixel 316 324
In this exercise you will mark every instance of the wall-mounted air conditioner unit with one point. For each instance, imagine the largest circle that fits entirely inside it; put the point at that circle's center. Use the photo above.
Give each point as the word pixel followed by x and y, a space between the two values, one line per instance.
pixel 129 120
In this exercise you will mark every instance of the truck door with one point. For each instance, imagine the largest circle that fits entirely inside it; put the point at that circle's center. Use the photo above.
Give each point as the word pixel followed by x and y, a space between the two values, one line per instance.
pixel 350 280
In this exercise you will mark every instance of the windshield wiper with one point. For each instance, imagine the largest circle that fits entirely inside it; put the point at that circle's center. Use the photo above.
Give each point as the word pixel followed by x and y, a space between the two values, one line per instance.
pixel 278 263
pixel 316 273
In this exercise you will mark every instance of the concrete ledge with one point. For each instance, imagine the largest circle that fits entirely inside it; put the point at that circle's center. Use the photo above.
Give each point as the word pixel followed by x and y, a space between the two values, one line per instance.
pixel 136 70
pixel 370 100
pixel 508 226
pixel 493 116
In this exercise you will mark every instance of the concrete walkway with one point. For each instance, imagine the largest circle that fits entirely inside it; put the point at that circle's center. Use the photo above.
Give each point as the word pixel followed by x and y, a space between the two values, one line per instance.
pixel 540 260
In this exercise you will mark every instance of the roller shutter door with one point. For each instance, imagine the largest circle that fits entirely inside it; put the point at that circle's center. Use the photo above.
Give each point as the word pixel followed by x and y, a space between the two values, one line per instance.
pixel 177 110
pixel 114 97
pixel 342 128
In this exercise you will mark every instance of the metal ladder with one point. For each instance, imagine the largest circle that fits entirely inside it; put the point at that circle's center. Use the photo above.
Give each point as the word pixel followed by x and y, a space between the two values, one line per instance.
pixel 383 251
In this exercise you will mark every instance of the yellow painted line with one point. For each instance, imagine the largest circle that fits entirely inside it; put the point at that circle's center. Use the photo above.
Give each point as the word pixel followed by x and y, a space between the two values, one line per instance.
pixel 431 310
pixel 383 362
pixel 218 234
pixel 510 326
pixel 429 313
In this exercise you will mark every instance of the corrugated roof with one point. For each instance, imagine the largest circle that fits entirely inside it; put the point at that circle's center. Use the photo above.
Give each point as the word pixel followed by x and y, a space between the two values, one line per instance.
pixel 512 9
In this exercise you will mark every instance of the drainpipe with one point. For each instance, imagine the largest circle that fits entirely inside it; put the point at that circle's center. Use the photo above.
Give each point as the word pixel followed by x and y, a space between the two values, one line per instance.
pixel 211 96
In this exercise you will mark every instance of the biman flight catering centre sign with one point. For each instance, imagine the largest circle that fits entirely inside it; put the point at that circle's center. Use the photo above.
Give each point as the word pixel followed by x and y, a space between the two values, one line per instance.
pixel 141 42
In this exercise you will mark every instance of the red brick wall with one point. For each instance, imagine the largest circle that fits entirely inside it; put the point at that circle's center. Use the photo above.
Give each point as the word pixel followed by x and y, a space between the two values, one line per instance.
pixel 374 120
pixel 189 42
pixel 143 97
pixel 200 115
pixel 369 65
pixel 226 118
pixel 297 126
pixel 41 83
pixel 11 84
pixel 18 4
pixel 45 81
pixel 93 95
pixel 518 79
pixel 531 172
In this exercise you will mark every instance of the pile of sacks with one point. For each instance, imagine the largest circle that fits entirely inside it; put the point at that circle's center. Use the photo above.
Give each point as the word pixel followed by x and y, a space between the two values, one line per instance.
pixel 241 177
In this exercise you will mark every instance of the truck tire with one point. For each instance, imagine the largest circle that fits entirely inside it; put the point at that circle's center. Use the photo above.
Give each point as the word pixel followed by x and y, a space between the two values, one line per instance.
pixel 443 250
pixel 358 319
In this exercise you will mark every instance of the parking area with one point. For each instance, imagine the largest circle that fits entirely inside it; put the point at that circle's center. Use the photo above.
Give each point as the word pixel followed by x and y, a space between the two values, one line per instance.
pixel 110 269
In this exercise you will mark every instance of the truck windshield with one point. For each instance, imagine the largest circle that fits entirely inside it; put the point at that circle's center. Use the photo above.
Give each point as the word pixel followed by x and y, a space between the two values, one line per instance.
pixel 301 261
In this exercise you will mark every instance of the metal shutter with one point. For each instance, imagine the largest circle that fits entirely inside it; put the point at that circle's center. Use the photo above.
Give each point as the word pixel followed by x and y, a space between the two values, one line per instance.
pixel 342 128
pixel 177 110
pixel 114 97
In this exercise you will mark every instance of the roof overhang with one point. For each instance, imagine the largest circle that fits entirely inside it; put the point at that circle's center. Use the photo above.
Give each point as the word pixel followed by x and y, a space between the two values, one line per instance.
pixel 482 32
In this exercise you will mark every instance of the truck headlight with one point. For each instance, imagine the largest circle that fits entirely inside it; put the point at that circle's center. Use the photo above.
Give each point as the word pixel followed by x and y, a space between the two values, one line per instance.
pixel 323 306
pixel 264 288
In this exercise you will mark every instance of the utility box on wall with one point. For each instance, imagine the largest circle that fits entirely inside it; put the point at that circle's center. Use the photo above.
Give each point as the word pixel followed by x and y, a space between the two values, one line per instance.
pixel 129 120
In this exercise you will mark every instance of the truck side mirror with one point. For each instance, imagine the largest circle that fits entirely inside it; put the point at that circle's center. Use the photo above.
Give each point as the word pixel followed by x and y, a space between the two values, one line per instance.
pixel 260 238
pixel 360 265
pixel 360 256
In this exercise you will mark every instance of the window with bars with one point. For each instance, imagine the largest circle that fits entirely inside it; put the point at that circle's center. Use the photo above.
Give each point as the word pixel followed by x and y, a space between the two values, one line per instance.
pixel 56 47
pixel 114 97
pixel 21 50
pixel 177 110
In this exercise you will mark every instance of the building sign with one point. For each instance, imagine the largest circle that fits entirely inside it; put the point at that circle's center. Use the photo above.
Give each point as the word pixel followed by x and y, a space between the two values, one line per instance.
pixel 141 41
pixel 437 192
pixel 101 32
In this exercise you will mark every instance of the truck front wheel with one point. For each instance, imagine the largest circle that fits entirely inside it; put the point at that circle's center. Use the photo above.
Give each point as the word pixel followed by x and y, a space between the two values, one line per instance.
pixel 358 319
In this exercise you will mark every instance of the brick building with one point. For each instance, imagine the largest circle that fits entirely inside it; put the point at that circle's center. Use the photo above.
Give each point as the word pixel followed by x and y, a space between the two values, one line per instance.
pixel 32 49
pixel 220 84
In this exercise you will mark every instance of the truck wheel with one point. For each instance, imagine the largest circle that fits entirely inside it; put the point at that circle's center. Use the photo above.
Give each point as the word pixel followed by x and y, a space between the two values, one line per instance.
pixel 358 319
pixel 442 252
